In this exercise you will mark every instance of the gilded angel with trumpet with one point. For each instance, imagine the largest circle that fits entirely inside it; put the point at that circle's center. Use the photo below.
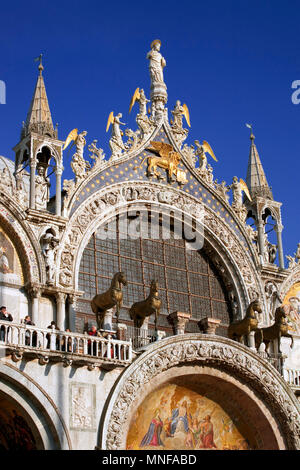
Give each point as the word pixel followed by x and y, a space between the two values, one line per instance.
pixel 237 187
pixel 78 163
pixel 116 142
pixel 139 96
pixel 201 150
pixel 178 113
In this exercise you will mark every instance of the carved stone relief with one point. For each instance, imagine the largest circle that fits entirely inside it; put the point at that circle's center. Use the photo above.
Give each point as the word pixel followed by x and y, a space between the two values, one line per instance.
pixel 82 406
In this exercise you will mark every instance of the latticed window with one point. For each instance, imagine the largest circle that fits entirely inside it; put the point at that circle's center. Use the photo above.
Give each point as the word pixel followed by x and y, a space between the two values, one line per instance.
pixel 187 280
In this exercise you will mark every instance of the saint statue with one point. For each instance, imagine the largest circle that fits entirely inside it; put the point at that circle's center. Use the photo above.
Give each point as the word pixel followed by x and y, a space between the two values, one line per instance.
pixel 157 62
pixel 177 112
pixel 49 244
pixel 142 100
pixel 42 185
pixel 80 143
pixel 236 192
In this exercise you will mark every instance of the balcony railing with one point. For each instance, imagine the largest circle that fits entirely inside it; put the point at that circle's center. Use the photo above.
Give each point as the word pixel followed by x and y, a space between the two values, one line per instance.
pixel 29 338
pixel 292 376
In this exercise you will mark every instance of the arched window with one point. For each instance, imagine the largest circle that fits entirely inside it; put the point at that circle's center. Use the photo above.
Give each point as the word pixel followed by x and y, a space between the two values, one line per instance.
pixel 187 279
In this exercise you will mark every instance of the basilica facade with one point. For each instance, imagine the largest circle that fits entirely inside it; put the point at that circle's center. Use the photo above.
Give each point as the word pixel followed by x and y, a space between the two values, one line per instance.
pixel 151 306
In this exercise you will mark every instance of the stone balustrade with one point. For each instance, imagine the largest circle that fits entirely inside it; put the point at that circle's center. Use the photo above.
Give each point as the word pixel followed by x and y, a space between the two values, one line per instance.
pixel 21 339
pixel 292 376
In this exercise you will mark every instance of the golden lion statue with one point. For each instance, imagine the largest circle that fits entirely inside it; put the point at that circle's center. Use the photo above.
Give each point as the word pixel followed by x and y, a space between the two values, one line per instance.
pixel 168 159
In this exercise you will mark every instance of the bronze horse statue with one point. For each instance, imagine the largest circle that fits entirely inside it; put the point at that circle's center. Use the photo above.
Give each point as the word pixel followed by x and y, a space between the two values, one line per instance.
pixel 276 331
pixel 140 310
pixel 249 323
pixel 112 297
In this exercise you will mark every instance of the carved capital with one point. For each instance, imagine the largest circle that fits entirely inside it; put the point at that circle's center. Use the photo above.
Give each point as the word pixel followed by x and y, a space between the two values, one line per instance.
pixel 60 297
pixel 34 292
pixel 208 325
pixel 178 320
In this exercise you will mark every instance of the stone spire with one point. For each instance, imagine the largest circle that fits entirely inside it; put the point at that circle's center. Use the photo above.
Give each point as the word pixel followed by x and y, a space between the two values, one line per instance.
pixel 39 118
pixel 256 179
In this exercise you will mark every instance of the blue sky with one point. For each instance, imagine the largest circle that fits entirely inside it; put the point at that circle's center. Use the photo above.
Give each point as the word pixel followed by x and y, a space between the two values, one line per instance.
pixel 232 62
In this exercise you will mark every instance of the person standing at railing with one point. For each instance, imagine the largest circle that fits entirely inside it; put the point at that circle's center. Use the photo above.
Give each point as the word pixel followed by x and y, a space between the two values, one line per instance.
pixel 92 332
pixel 4 316
pixel 52 327
pixel 27 321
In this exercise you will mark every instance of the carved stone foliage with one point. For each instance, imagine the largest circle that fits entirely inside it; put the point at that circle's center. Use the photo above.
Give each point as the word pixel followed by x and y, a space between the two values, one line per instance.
pixel 236 359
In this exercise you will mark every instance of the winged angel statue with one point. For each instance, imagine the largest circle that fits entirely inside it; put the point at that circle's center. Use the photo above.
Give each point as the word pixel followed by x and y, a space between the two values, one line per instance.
pixel 201 150
pixel 115 142
pixel 79 165
pixel 142 119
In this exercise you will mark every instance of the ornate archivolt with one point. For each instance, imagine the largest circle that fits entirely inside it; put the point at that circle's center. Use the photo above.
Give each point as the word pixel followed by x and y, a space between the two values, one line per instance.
pixel 108 202
pixel 23 238
pixel 290 281
pixel 217 352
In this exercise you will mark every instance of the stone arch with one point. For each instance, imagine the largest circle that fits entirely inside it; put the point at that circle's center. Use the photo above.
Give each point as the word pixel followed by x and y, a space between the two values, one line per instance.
pixel 24 240
pixel 253 382
pixel 47 423
pixel 108 202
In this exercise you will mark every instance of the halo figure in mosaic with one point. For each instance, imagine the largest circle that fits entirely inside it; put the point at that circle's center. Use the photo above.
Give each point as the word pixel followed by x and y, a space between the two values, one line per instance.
pixel 113 297
pixel 249 323
pixel 152 304
pixel 274 332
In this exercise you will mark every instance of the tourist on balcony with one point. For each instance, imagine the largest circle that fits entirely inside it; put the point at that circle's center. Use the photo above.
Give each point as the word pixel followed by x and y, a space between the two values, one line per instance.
pixel 52 326
pixel 92 332
pixel 27 321
pixel 4 316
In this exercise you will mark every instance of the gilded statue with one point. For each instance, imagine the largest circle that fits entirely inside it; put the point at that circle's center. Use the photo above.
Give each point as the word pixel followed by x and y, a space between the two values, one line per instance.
pixel 249 323
pixel 237 187
pixel 274 332
pixel 201 150
pixel 78 164
pixel 168 159
pixel 152 304
pixel 178 113
pixel 113 297
pixel 140 97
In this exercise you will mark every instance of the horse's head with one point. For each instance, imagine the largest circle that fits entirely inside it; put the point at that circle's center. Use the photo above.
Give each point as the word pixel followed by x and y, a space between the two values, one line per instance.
pixel 122 278
pixel 257 307
pixel 280 313
pixel 154 286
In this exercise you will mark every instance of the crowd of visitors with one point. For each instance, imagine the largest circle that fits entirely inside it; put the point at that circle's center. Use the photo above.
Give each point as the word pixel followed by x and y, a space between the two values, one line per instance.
pixel 62 342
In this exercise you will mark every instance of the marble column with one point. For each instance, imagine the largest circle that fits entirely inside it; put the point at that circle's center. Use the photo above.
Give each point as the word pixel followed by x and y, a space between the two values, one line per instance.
pixel 278 230
pixel 61 310
pixel 35 294
pixel 178 320
pixel 58 172
pixel 261 241
pixel 107 319
pixel 71 311
pixel 32 183
pixel 251 340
